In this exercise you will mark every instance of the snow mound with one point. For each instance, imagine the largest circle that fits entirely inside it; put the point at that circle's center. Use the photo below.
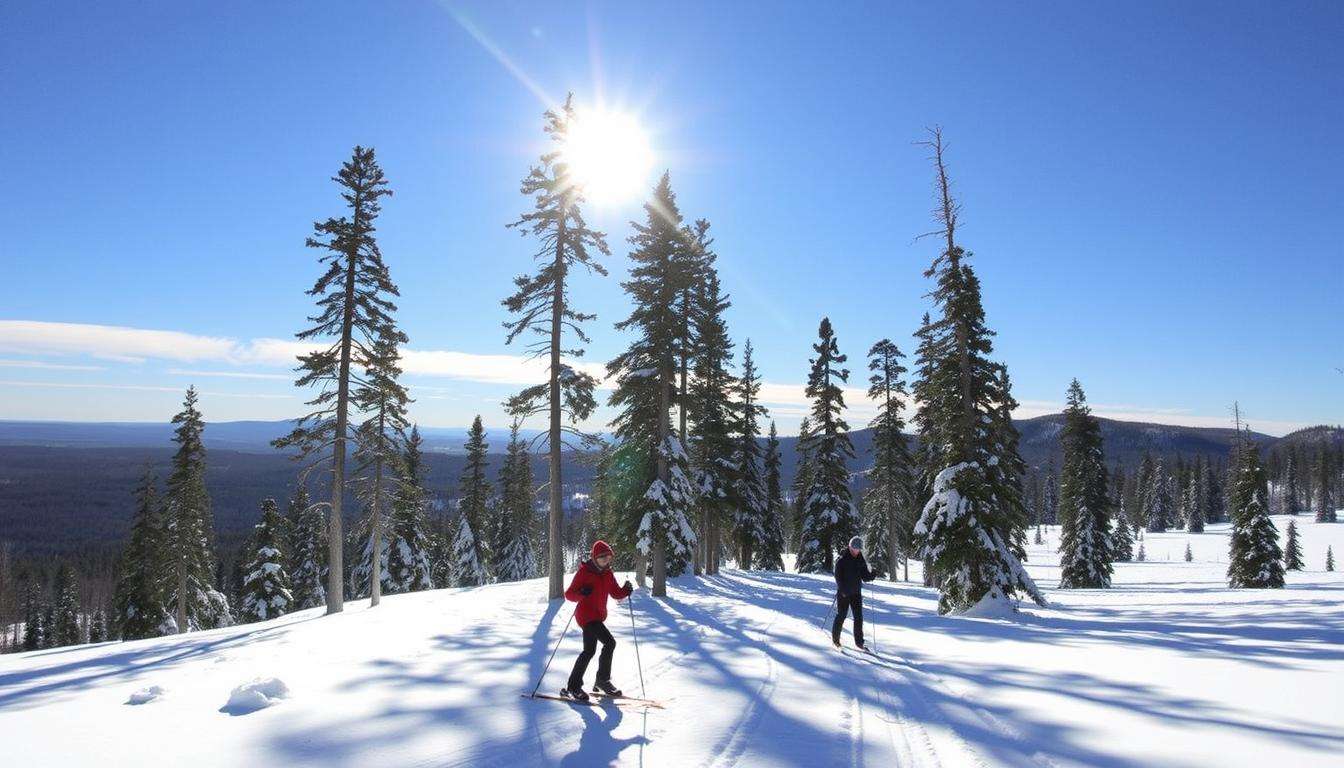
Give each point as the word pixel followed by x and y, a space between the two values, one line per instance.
pixel 991 607
pixel 146 695
pixel 258 694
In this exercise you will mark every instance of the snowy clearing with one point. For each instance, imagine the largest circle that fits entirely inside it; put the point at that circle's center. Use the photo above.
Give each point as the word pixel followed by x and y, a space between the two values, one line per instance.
pixel 1169 668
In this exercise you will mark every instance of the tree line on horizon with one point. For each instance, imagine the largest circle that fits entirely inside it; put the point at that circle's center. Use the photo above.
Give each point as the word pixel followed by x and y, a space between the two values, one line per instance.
pixel 685 484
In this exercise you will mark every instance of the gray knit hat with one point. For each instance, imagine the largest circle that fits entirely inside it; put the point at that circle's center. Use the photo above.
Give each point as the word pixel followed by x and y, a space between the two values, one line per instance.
pixel 856 543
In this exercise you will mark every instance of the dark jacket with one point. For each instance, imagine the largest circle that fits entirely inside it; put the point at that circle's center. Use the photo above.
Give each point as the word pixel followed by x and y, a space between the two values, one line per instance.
pixel 850 573
pixel 602 583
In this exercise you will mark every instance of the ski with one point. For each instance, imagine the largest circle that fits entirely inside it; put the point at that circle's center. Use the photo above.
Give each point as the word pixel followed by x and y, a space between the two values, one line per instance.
pixel 631 699
pixel 594 701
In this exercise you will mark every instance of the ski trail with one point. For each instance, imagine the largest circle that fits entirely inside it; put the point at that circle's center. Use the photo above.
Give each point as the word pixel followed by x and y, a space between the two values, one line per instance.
pixel 730 748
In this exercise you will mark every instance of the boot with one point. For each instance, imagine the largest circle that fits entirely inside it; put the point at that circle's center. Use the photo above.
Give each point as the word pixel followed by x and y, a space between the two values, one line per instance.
pixel 605 686
pixel 576 694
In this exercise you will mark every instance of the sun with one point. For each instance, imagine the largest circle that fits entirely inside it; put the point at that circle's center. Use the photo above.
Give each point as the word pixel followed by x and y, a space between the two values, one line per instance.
pixel 609 156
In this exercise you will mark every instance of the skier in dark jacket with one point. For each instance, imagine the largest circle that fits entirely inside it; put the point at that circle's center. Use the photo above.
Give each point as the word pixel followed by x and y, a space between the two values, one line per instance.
pixel 591 586
pixel 851 570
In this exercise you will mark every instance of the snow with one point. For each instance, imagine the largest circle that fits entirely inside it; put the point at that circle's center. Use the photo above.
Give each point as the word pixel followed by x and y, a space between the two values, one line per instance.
pixel 146 695
pixel 1168 668
pixel 258 694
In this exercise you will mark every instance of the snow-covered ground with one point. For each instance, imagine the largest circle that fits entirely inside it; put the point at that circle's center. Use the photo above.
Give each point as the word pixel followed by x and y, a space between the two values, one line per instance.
pixel 1169 668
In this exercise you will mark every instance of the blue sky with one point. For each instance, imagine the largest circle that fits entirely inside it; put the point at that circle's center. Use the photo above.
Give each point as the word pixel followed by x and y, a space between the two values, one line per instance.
pixel 1153 192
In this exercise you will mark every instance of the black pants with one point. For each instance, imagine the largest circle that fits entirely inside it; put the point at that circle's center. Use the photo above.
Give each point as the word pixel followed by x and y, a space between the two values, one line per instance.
pixel 593 631
pixel 843 603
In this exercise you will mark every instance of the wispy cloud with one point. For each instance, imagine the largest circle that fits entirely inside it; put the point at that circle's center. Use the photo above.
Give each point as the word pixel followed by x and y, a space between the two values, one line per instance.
pixel 138 388
pixel 48 366
pixel 229 374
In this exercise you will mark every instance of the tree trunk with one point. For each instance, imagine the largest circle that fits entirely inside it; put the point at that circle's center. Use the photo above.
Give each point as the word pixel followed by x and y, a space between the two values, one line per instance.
pixel 659 555
pixel 556 555
pixel 181 594
pixel 336 538
pixel 376 535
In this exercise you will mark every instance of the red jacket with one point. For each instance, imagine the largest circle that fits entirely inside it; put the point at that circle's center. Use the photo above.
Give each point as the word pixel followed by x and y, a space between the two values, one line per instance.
pixel 593 607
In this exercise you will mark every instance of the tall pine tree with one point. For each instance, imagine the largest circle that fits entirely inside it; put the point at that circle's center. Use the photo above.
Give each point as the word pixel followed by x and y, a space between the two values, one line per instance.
pixel 468 554
pixel 1085 540
pixel 646 388
pixel 139 600
pixel 751 496
pixel 515 550
pixel 971 529
pixel 354 312
pixel 190 529
pixel 408 553
pixel 1254 558
pixel 829 517
pixel 1292 549
pixel 769 556
pixel 887 502
pixel 307 551
pixel 383 399
pixel 1325 507
pixel 542 306
pixel 713 449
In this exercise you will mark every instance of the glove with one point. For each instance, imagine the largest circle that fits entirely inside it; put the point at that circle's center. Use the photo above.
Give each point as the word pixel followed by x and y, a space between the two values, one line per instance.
pixel 627 586
pixel 586 591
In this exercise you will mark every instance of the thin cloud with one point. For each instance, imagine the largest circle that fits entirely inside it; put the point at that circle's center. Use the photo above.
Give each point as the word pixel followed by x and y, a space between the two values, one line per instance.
pixel 48 366
pixel 139 388
pixel 229 374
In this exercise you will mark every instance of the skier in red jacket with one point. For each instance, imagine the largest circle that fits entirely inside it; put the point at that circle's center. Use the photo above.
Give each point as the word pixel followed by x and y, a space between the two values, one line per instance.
pixel 591 586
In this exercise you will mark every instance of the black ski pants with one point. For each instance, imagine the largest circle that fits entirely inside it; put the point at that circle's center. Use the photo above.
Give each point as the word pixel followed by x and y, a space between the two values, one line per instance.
pixel 593 631
pixel 843 604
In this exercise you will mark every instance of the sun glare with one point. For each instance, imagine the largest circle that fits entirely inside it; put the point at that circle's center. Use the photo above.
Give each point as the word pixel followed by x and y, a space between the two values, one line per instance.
pixel 609 157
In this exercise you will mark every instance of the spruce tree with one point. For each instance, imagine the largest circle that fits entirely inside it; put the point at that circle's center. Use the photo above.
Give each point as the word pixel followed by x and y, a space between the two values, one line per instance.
pixel 1085 541
pixel 1291 495
pixel 65 630
pixel 307 551
pixel 1325 507
pixel 1142 556
pixel 32 617
pixel 468 553
pixel 1329 558
pixel 139 599
pixel 408 552
pixel 751 494
pixel 802 479
pixel 265 593
pixel 1050 500
pixel 712 447
pixel 829 517
pixel 1122 539
pixel 1254 558
pixel 1292 550
pixel 1189 556
pixel 887 501
pixel 769 556
pixel 383 399
pixel 190 534
pixel 645 389
pixel 98 627
pixel 542 306
pixel 515 551
pixel 971 530
pixel 1158 507
pixel 1197 499
pixel 441 554
pixel 354 311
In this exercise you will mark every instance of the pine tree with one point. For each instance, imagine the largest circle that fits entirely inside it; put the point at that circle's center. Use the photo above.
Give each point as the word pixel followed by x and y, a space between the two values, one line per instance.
pixel 971 530
pixel 1292 550
pixel 1122 539
pixel 1085 539
pixel 65 629
pixel 1329 558
pixel 770 555
pixel 441 554
pixel 190 529
pixel 1142 556
pixel 887 501
pixel 408 560
pixel 645 389
pixel 713 449
pixel 692 264
pixel 32 617
pixel 307 551
pixel 1197 502
pixel 1325 508
pixel 515 550
pixel 829 517
pixel 265 593
pixel 1158 499
pixel 1254 558
pixel 542 306
pixel 383 399
pixel 752 495
pixel 1291 495
pixel 468 554
pixel 1189 556
pixel 802 479
pixel 354 310
pixel 98 627
pixel 1050 501
pixel 140 599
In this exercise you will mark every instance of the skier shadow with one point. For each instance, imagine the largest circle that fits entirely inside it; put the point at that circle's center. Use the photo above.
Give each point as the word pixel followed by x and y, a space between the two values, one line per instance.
pixel 597 746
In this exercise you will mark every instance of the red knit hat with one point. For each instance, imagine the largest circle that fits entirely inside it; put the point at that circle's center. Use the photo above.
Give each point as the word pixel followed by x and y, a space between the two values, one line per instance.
pixel 600 548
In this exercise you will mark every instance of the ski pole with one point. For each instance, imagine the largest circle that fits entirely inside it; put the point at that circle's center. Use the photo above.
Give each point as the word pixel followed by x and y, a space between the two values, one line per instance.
pixel 630 603
pixel 829 614
pixel 553 650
